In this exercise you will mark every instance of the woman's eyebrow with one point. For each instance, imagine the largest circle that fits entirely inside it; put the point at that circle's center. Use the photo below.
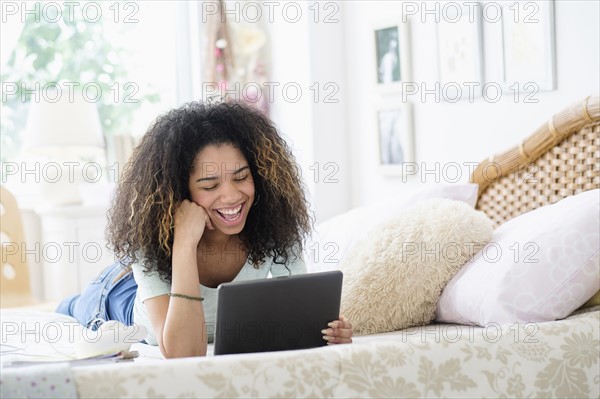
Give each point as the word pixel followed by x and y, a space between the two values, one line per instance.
pixel 235 172
pixel 206 179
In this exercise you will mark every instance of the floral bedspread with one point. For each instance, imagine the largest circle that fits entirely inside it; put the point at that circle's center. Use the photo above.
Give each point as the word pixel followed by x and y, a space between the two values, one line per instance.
pixel 554 359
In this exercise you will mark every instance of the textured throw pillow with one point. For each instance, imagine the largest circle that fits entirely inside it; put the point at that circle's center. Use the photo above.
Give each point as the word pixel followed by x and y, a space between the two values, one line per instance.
pixel 333 239
pixel 394 278
pixel 539 266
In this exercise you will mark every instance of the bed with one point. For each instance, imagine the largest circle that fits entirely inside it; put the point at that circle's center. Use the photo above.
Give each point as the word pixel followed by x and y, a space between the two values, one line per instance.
pixel 547 359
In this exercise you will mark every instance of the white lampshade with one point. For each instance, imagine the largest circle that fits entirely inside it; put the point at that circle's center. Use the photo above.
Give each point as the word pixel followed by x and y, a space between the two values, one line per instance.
pixel 65 128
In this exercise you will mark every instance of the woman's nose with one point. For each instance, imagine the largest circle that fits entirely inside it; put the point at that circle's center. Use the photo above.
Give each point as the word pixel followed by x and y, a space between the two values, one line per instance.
pixel 229 193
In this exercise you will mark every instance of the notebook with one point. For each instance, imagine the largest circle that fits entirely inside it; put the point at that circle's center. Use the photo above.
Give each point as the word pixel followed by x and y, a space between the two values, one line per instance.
pixel 274 314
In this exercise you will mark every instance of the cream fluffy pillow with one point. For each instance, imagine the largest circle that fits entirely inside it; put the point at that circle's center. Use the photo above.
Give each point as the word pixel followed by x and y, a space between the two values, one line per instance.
pixel 333 240
pixel 394 278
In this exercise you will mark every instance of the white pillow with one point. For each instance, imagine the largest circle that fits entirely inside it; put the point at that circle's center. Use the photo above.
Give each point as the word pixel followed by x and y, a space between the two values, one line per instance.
pixel 539 266
pixel 333 239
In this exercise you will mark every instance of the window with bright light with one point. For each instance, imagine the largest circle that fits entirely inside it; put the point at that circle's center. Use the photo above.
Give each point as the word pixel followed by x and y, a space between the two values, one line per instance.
pixel 119 55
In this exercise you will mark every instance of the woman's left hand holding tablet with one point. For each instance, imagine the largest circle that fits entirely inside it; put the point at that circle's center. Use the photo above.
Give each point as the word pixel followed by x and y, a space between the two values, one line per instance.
pixel 338 332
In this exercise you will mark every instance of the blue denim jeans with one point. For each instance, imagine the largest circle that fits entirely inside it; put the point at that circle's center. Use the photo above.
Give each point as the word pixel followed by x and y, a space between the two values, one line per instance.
pixel 104 299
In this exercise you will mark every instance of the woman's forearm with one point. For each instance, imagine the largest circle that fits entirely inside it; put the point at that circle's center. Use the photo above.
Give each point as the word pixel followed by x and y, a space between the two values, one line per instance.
pixel 184 332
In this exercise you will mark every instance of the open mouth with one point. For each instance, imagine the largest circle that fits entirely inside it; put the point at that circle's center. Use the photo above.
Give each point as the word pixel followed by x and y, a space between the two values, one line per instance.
pixel 231 214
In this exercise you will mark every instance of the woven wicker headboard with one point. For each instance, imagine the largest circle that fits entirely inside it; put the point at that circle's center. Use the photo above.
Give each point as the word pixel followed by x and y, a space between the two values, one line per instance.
pixel 561 158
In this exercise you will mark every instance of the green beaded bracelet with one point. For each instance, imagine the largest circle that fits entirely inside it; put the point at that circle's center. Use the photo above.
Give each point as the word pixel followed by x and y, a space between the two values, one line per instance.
pixel 193 298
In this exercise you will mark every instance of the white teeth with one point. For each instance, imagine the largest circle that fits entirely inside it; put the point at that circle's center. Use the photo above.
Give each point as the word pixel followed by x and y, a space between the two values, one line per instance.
pixel 230 211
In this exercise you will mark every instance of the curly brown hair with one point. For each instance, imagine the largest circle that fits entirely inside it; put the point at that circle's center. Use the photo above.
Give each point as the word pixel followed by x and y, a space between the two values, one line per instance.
pixel 155 182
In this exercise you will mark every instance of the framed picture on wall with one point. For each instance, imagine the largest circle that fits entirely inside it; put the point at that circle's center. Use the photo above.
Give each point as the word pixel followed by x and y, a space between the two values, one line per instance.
pixel 528 44
pixel 459 45
pixel 395 137
pixel 392 54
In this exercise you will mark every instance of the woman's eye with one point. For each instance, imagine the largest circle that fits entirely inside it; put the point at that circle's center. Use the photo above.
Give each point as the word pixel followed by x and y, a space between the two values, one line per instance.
pixel 209 188
pixel 241 178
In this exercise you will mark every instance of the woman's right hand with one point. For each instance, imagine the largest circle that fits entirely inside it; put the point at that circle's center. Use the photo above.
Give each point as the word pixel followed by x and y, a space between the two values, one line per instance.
pixel 190 221
pixel 179 324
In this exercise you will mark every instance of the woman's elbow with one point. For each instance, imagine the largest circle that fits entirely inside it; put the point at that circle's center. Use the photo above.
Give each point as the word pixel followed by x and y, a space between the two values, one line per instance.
pixel 177 346
pixel 183 352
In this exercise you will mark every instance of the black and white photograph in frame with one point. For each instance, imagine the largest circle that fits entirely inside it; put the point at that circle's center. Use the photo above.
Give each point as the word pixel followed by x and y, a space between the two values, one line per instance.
pixel 388 55
pixel 395 136
pixel 391 54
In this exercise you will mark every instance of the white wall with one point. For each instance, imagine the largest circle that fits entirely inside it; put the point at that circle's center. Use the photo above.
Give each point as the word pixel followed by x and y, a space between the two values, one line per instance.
pixel 460 132
pixel 310 55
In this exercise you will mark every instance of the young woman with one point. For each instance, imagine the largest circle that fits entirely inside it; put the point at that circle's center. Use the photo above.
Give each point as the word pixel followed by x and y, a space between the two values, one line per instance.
pixel 212 195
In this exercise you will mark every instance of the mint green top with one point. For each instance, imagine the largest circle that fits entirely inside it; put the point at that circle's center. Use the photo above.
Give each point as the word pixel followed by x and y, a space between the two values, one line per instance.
pixel 151 285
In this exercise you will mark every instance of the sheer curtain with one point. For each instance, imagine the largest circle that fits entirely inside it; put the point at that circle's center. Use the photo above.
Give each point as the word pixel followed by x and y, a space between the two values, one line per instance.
pixel 237 56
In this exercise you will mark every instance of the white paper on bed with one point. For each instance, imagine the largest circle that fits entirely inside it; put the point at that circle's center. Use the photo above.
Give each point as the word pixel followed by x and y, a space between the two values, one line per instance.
pixel 35 337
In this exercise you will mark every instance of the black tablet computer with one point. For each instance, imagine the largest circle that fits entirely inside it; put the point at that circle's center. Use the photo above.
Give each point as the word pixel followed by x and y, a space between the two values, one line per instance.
pixel 275 314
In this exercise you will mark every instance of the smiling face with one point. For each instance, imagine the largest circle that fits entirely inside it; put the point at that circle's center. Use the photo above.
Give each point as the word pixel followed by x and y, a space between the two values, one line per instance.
pixel 222 184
